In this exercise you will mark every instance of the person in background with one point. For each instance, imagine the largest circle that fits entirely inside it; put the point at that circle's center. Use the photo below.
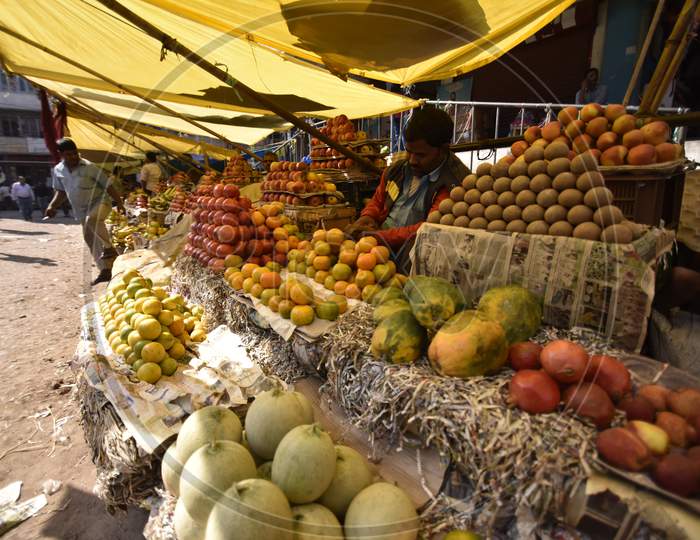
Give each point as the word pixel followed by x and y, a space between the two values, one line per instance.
pixel 411 188
pixel 86 187
pixel 268 159
pixel 150 174
pixel 5 198
pixel 23 195
pixel 591 91
pixel 43 194
pixel 117 182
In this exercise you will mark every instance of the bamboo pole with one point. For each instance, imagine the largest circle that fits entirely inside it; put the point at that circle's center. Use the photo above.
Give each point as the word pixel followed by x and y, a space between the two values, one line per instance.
pixel 173 45
pixel 680 29
pixel 643 52
pixel 128 90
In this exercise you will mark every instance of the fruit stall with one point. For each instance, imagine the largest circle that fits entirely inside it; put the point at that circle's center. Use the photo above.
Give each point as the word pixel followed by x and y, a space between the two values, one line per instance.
pixel 498 389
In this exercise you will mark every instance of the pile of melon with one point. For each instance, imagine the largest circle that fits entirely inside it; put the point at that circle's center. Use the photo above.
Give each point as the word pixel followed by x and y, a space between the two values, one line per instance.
pixel 281 477
pixel 545 190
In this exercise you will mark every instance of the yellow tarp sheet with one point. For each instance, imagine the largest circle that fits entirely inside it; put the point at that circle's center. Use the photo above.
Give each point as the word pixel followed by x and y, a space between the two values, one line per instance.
pixel 86 31
pixel 88 136
pixel 399 41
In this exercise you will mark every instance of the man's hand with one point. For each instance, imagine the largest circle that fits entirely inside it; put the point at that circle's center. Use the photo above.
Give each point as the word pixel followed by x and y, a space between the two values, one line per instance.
pixel 360 226
pixel 50 212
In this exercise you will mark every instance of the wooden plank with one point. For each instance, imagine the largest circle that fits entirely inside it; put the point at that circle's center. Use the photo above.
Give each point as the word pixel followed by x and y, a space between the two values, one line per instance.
pixel 401 468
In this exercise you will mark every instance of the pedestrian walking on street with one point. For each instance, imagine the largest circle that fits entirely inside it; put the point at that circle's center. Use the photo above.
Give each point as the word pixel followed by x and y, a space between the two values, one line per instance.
pixel 86 187
pixel 23 195
pixel 43 194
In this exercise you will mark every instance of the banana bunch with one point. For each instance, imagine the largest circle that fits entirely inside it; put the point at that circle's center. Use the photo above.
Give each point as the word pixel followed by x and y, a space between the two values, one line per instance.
pixel 161 202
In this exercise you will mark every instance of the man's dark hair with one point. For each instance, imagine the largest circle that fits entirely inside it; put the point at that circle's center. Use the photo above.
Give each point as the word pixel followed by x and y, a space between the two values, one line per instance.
pixel 150 156
pixel 592 70
pixel 432 125
pixel 66 144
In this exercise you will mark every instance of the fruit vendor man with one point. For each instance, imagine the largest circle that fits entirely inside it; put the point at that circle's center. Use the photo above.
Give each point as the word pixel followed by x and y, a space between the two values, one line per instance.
pixel 87 189
pixel 413 187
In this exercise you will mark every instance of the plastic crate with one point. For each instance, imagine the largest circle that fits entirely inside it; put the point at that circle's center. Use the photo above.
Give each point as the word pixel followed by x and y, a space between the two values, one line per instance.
pixel 648 199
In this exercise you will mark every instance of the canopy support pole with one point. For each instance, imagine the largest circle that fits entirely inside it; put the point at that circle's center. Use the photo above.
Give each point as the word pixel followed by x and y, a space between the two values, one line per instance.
pixel 678 39
pixel 643 52
pixel 128 90
pixel 173 45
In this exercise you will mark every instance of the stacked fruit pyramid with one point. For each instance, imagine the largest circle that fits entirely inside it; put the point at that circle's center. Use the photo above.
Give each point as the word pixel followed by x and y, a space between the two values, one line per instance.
pixel 612 135
pixel 226 224
pixel 148 327
pixel 289 182
pixel 238 171
pixel 342 130
pixel 282 466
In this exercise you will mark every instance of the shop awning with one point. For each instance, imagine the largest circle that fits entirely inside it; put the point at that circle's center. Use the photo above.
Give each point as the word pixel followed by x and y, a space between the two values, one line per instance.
pixel 399 41
pixel 86 31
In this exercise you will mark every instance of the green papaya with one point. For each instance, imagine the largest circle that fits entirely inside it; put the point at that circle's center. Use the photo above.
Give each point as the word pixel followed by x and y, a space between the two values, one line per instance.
pixel 388 308
pixel 518 310
pixel 433 300
pixel 398 338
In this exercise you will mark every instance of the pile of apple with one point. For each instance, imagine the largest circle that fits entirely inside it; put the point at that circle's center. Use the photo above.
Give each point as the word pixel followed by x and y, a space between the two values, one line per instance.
pixel 238 170
pixel 225 224
pixel 662 435
pixel 610 133
pixel 290 183
pixel 661 424
pixel 357 270
pixel 340 129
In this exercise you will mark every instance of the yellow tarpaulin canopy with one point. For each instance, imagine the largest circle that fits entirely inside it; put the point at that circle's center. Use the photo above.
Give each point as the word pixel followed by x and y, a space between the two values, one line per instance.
pixel 86 31
pixel 399 41
pixel 88 136
pixel 132 109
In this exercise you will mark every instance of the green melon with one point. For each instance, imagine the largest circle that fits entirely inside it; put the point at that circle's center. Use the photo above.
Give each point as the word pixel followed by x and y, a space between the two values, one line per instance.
pixel 212 423
pixel 265 470
pixel 252 509
pixel 433 300
pixel 468 345
pixel 518 310
pixel 185 527
pixel 271 416
pixel 352 475
pixel 381 511
pixel 315 522
pixel 398 338
pixel 209 472
pixel 170 470
pixel 304 463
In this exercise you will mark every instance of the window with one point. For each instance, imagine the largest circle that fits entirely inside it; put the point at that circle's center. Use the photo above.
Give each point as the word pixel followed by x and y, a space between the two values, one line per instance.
pixel 10 127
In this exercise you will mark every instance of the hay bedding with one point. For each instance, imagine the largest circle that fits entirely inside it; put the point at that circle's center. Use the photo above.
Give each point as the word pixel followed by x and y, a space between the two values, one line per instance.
pixel 511 463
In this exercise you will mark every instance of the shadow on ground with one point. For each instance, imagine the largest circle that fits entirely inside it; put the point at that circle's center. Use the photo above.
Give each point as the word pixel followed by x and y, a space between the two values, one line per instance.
pixel 25 233
pixel 80 515
pixel 27 260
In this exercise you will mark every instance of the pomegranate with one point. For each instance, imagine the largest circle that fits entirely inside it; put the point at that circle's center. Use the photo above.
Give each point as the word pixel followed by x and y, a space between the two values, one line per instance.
pixel 565 361
pixel 610 374
pixel 524 355
pixel 534 391
pixel 590 401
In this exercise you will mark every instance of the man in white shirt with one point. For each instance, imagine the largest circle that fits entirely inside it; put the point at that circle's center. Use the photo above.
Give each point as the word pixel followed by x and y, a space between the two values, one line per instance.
pixel 86 187
pixel 150 174
pixel 23 195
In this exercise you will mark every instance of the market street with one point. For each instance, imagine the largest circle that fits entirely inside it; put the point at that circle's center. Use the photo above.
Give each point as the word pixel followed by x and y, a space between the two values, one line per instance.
pixel 42 279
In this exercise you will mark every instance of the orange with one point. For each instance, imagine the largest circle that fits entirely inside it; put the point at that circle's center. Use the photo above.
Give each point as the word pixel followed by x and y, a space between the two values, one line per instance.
pixel 384 272
pixel 321 276
pixel 370 291
pixel 353 291
pixel 309 257
pixel 341 271
pixel 274 303
pixel 281 246
pixel 280 233
pixel 364 278
pixel 248 284
pixel 273 222
pixel 321 262
pixel 177 327
pixel 266 295
pixel 302 315
pixel 322 248
pixel 304 245
pixel 293 242
pixel 310 272
pixel 329 283
pixel 381 253
pixel 247 269
pixel 348 245
pixel 271 280
pixel 365 244
pixel 347 257
pixel 257 290
pixel 233 261
pixel 320 234
pixel 285 308
pixel 339 287
pixel 341 301
pixel 258 218
pixel 301 293
pixel 236 281
pixel 366 261
pixel 335 236
pixel 258 273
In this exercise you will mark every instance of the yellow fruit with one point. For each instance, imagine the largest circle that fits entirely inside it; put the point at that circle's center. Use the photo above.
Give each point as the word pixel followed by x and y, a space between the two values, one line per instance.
pixel 149 328
pixel 265 297
pixel 133 338
pixel 166 339
pixel 198 335
pixel 189 323
pixel 139 345
pixel 248 284
pixel 130 274
pixel 117 287
pixel 159 292
pixel 258 273
pixel 166 317
pixel 131 358
pixel 302 315
pixel 153 352
pixel 136 365
pixel 177 327
pixel 132 289
pixel 184 337
pixel 168 366
pixel 142 293
pixel 177 351
pixel 129 304
pixel 110 328
pixel 123 349
pixel 327 310
pixel 341 301
pixel 285 308
pixel 301 293
pixel 138 304
pixel 122 296
pixel 149 372
pixel 256 290
pixel 152 307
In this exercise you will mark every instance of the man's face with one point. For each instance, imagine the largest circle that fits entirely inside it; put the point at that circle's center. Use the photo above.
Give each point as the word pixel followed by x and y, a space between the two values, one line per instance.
pixel 267 161
pixel 592 77
pixel 71 157
pixel 422 157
